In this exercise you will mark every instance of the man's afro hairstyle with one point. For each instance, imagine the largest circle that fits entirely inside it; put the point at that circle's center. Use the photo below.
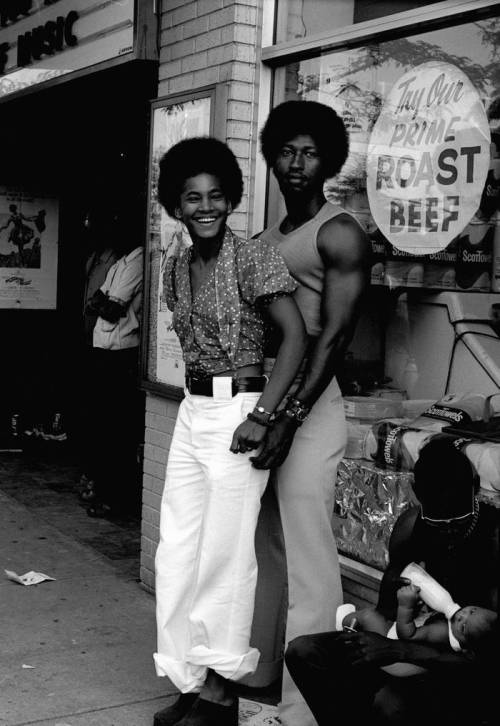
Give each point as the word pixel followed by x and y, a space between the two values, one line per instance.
pixel 293 118
pixel 198 155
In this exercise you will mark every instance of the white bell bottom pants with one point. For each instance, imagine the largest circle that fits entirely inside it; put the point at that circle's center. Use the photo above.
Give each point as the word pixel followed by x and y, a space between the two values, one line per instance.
pixel 206 568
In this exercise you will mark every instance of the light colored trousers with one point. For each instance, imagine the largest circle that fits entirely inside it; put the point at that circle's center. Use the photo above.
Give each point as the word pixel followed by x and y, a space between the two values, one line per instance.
pixel 206 568
pixel 304 489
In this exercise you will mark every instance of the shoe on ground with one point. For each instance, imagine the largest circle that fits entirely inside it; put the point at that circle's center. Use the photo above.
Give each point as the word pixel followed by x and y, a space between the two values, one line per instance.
pixel 98 510
pixel 173 714
pixel 89 494
pixel 207 713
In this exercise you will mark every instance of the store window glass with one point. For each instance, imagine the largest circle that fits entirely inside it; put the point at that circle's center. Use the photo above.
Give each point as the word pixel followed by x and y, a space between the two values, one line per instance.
pixel 358 83
pixel 303 18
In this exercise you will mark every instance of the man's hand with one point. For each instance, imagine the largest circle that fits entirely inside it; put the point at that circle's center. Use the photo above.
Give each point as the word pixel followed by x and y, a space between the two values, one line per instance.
pixel 370 649
pixel 277 443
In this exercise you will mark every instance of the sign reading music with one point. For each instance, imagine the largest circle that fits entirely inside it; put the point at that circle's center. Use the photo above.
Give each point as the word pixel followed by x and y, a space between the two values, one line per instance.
pixel 44 39
pixel 428 158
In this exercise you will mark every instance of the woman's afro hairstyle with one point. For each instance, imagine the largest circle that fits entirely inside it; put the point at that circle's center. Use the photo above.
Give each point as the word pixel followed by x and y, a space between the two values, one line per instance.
pixel 198 155
pixel 293 118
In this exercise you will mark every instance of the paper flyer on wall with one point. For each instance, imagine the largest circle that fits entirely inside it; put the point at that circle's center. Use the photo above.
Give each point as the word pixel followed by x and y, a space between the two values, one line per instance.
pixel 29 227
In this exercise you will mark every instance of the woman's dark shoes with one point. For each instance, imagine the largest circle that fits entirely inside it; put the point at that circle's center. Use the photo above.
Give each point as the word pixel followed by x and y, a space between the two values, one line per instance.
pixel 173 714
pixel 208 713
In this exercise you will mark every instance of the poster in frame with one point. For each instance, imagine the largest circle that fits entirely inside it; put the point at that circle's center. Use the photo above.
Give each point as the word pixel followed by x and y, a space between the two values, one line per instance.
pixel 29 241
pixel 173 118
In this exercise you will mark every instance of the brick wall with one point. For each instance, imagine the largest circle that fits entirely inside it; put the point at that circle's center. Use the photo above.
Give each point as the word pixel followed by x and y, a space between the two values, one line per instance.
pixel 160 420
pixel 217 41
pixel 202 42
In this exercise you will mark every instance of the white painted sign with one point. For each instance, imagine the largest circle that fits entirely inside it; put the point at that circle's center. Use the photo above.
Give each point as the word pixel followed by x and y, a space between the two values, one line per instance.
pixel 43 39
pixel 428 158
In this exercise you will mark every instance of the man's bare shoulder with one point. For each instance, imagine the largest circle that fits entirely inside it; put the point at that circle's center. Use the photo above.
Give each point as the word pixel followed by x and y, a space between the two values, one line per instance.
pixel 341 238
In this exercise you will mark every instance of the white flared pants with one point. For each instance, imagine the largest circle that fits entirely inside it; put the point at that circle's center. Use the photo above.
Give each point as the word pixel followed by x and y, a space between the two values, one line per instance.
pixel 206 569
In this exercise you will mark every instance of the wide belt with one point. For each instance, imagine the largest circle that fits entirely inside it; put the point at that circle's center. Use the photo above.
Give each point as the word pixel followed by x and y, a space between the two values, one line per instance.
pixel 203 386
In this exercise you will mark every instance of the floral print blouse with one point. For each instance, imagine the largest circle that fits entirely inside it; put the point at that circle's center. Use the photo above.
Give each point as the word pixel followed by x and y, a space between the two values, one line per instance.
pixel 223 327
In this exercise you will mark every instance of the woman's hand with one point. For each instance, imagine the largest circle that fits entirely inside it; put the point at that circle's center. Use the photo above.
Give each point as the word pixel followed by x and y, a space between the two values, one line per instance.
pixel 248 436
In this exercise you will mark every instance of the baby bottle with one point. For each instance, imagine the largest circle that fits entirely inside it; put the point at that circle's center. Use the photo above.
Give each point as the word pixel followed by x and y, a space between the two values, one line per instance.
pixel 432 593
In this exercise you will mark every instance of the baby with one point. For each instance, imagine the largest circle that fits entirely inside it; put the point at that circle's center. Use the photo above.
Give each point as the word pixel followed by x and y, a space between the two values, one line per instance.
pixel 470 626
pixel 463 628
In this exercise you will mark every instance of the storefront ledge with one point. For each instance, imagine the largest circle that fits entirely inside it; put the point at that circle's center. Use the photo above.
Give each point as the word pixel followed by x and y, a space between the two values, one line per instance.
pixel 360 582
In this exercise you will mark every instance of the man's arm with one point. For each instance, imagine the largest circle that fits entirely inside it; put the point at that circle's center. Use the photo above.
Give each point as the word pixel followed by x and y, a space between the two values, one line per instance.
pixel 111 301
pixel 100 304
pixel 400 554
pixel 374 649
pixel 129 283
pixel 344 249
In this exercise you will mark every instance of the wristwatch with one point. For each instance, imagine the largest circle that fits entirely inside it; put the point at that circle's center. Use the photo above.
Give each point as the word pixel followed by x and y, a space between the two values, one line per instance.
pixel 261 416
pixel 262 411
pixel 297 410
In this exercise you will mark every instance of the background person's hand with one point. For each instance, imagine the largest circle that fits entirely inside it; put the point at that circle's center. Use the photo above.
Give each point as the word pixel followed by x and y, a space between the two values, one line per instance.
pixel 277 443
pixel 248 436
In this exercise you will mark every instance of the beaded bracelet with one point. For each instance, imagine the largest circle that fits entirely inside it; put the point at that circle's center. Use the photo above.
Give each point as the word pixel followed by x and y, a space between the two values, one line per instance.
pixel 296 410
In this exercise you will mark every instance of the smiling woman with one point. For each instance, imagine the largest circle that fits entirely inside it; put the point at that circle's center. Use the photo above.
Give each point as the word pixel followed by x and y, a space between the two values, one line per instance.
pixel 218 290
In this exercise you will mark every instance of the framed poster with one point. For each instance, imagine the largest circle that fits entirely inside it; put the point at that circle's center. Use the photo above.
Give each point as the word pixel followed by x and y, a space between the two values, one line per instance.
pixel 29 231
pixel 172 119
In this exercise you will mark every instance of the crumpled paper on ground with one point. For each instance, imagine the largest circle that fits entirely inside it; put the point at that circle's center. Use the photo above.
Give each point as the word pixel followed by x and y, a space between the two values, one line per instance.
pixel 252 713
pixel 29 578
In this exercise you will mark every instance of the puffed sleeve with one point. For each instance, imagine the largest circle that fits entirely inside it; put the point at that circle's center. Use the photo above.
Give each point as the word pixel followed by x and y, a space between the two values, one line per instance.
pixel 169 294
pixel 262 272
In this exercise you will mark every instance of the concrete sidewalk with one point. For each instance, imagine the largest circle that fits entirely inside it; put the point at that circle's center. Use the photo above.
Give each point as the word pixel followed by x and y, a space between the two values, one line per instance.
pixel 89 636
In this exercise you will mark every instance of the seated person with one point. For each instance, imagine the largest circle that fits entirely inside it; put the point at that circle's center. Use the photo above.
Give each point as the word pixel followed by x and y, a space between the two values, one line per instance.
pixel 457 539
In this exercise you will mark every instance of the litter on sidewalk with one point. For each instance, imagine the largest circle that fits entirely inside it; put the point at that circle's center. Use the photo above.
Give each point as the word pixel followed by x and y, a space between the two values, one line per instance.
pixel 29 578
pixel 252 713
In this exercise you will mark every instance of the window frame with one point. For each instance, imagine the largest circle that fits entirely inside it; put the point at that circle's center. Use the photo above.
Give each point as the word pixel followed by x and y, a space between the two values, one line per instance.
pixel 426 18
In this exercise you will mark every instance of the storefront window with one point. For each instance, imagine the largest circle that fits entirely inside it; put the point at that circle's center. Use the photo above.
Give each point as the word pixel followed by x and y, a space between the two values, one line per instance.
pixel 303 18
pixel 357 83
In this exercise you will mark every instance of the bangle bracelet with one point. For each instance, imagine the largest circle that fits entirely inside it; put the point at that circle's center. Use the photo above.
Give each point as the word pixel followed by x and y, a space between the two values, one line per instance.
pixel 257 419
